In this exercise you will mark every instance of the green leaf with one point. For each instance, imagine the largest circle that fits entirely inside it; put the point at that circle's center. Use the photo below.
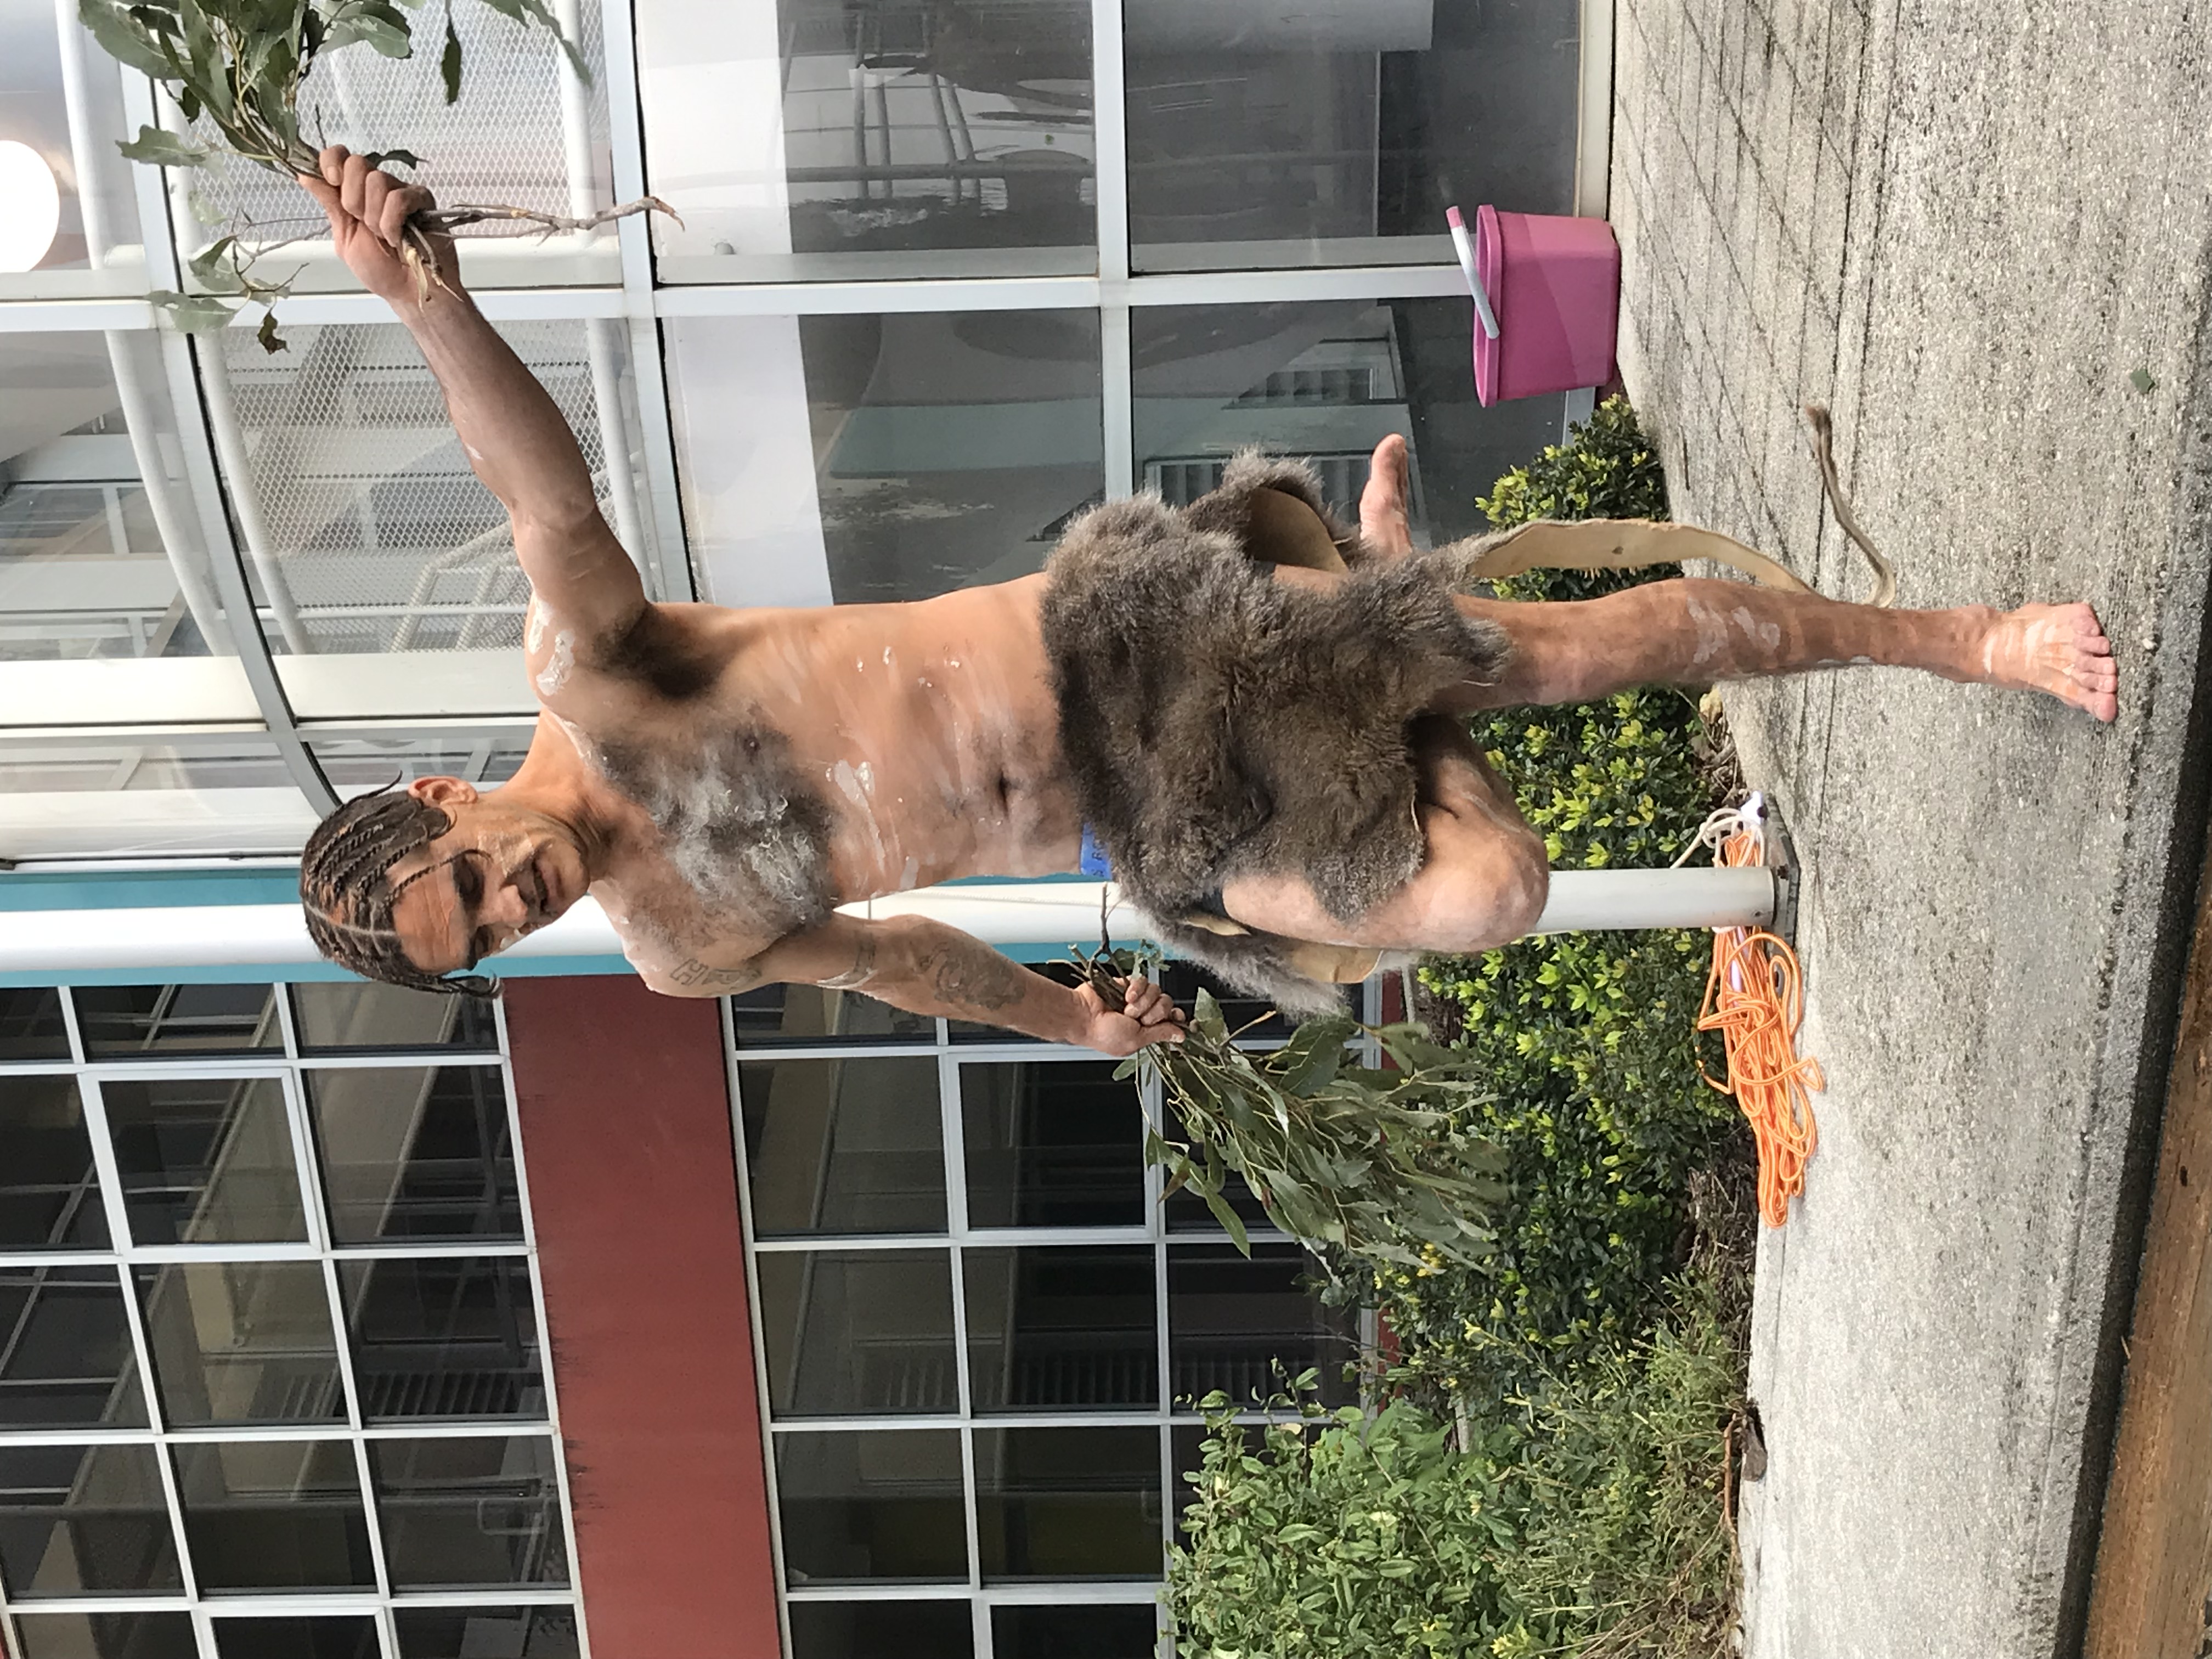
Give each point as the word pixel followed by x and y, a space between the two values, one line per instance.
pixel 271 341
pixel 157 148
pixel 449 60
pixel 190 314
pixel 2142 382
pixel 377 158
pixel 124 39
pixel 1231 1222
pixel 388 35
pixel 216 271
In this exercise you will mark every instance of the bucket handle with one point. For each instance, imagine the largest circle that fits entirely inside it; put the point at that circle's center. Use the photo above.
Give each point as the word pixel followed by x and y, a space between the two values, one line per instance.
pixel 1463 245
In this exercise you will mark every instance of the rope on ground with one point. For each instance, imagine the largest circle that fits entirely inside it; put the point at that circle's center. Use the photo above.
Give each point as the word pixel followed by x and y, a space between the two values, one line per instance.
pixel 1755 999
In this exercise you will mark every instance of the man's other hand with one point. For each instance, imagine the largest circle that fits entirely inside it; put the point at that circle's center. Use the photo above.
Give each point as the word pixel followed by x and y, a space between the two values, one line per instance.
pixel 1147 1016
pixel 368 211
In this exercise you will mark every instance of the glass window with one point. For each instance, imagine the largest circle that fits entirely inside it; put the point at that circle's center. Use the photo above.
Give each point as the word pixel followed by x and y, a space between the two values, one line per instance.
pixel 30 1023
pixel 434 1338
pixel 872 1506
pixel 871 1630
pixel 1068 1503
pixel 1062 1328
pixel 84 1521
pixel 65 1356
pixel 416 1152
pixel 947 449
pixel 83 258
pixel 1051 1143
pixel 355 765
pixel 314 1635
pixel 242 1342
pixel 274 1515
pixel 1239 1325
pixel 340 1016
pixel 479 1633
pixel 49 1194
pixel 814 139
pixel 1266 136
pixel 205 1160
pixel 132 1021
pixel 791 1015
pixel 858 1333
pixel 464 1512
pixel 106 795
pixel 1129 1631
pixel 844 1146
pixel 59 1635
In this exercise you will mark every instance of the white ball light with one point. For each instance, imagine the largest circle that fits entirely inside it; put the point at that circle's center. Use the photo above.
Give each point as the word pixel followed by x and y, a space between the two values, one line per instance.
pixel 30 206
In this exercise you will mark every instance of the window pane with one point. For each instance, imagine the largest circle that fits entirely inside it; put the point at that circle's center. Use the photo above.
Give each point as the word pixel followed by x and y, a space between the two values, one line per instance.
pixel 860 1332
pixel 1061 1329
pixel 947 449
pixel 1068 1503
pixel 843 1145
pixel 274 1515
pixel 107 1635
pixel 321 1636
pixel 205 1160
pixel 30 1023
pixel 106 794
pixel 439 1339
pixel 241 1342
pixel 1125 1631
pixel 1268 137
pixel 66 1357
pixel 811 139
pixel 121 1022
pixel 790 1015
pixel 1232 1323
pixel 335 1016
pixel 49 1194
pixel 1052 1144
pixel 882 1629
pixel 84 1521
pixel 481 1632
pixel 416 1152
pixel 467 1512
pixel 886 1504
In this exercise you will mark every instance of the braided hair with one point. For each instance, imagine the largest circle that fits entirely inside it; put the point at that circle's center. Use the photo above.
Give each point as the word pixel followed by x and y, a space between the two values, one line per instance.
pixel 346 889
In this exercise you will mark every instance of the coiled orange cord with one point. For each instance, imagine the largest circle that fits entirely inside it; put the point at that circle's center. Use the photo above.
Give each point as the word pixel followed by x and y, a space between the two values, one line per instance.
pixel 1755 999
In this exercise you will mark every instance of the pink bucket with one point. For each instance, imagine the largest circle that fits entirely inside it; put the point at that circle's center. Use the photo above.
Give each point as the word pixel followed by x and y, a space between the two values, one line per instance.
pixel 1554 285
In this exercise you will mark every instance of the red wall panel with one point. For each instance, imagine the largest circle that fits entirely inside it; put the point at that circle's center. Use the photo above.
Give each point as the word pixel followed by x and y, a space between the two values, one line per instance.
pixel 633 1190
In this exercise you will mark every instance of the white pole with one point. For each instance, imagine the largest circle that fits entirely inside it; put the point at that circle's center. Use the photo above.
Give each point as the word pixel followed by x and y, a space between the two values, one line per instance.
pixel 245 495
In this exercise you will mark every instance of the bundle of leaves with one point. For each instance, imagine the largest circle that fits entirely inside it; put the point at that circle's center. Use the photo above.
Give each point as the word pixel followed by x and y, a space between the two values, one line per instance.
pixel 238 68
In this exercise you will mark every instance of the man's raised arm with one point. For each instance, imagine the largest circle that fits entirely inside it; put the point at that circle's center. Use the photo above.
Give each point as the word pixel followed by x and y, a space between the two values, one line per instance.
pixel 512 430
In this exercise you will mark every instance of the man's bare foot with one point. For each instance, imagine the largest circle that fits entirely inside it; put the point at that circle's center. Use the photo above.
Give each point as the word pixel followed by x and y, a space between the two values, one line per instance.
pixel 2058 648
pixel 1382 522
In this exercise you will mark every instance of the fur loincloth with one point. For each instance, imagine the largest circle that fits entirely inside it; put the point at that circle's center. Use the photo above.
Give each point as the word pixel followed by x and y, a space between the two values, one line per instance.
pixel 1218 723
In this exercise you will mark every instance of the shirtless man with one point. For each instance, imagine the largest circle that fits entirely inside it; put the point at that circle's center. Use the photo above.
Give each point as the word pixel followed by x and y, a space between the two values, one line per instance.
pixel 722 778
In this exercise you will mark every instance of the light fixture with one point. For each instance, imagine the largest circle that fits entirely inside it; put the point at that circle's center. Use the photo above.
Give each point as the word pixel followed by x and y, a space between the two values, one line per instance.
pixel 30 206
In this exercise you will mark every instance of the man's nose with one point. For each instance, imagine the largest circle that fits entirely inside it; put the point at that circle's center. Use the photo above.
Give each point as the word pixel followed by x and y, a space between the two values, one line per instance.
pixel 504 905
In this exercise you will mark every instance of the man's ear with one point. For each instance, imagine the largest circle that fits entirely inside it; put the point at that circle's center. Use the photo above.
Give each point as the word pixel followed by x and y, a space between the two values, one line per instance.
pixel 444 792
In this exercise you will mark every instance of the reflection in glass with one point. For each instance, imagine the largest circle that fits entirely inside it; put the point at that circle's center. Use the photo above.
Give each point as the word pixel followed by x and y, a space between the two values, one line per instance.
pixel 1263 135
pixel 105 794
pixel 858 1333
pixel 131 1022
pixel 84 1521
pixel 469 1632
pixel 416 1152
pixel 49 1192
pixel 356 765
pixel 56 1635
pixel 1051 1143
pixel 790 1015
pixel 816 139
pixel 948 449
pixel 843 1145
pixel 65 1357
pixel 205 1160
pixel 1060 1328
pixel 36 110
pixel 275 1515
pixel 344 1015
pixel 1127 1631
pixel 466 1512
pixel 1239 1326
pixel 313 1636
pixel 1068 1503
pixel 868 1630
pixel 241 1342
pixel 861 1506
pixel 434 1338
pixel 30 1023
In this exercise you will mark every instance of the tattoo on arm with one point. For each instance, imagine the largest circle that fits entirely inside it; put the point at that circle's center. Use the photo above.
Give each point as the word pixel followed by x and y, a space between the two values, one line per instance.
pixel 694 973
pixel 975 977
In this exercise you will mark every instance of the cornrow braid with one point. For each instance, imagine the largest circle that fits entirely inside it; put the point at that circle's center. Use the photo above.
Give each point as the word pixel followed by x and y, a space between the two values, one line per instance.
pixel 347 891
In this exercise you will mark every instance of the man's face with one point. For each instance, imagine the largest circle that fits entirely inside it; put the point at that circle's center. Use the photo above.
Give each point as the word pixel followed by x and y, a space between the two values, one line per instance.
pixel 498 872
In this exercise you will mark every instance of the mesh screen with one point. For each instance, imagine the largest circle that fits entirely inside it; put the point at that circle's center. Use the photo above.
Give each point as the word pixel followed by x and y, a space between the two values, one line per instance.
pixel 384 537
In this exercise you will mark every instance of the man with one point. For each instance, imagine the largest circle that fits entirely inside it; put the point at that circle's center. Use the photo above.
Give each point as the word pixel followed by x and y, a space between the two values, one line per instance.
pixel 1275 758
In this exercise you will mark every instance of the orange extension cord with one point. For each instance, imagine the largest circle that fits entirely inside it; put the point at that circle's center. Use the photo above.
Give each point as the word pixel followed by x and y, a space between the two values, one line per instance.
pixel 1755 999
